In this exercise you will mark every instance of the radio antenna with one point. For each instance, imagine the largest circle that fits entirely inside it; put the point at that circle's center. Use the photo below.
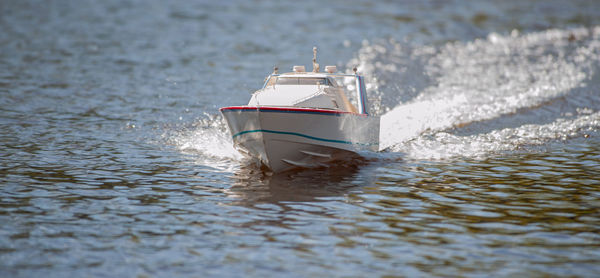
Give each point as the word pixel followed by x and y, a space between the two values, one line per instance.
pixel 315 65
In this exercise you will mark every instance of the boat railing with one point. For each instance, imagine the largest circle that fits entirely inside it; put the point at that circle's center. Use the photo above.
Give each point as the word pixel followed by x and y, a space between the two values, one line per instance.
pixel 332 75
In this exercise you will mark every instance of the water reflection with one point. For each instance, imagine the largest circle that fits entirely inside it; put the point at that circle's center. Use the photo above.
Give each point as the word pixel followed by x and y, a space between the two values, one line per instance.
pixel 435 218
pixel 534 206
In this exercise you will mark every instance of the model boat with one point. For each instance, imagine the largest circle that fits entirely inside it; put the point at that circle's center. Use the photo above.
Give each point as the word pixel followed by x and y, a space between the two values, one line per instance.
pixel 304 119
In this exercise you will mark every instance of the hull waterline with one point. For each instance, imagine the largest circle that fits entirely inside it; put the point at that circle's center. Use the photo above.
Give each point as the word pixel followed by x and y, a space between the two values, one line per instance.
pixel 286 138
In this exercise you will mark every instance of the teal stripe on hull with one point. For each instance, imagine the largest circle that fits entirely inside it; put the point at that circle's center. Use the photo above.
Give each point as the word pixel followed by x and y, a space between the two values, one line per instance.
pixel 299 134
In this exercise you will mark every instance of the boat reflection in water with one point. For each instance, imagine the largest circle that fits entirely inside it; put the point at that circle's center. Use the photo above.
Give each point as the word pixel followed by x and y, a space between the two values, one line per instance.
pixel 253 185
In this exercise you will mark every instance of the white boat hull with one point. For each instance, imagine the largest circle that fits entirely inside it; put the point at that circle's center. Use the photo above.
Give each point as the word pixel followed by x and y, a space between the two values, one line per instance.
pixel 284 138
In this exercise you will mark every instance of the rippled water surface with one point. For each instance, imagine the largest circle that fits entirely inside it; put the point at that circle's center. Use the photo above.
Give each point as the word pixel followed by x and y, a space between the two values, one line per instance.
pixel 114 160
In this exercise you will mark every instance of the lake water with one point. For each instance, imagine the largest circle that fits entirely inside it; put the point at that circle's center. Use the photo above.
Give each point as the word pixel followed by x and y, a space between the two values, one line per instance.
pixel 114 159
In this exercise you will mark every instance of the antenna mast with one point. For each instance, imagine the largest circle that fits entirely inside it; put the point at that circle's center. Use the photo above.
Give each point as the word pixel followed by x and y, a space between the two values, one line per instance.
pixel 315 65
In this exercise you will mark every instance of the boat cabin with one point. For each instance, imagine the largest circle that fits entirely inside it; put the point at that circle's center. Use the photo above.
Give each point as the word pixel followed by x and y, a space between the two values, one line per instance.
pixel 302 89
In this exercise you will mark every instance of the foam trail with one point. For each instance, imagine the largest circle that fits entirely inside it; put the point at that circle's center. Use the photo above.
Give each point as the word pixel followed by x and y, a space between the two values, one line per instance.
pixel 442 145
pixel 462 83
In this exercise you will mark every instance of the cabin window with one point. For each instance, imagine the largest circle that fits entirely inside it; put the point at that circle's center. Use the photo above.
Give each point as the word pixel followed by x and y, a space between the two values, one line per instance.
pixel 302 81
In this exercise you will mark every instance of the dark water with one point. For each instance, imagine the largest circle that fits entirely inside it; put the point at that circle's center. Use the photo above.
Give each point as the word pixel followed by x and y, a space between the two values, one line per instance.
pixel 115 162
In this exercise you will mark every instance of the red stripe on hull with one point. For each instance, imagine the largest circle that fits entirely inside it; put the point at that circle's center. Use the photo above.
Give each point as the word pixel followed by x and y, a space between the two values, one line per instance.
pixel 286 109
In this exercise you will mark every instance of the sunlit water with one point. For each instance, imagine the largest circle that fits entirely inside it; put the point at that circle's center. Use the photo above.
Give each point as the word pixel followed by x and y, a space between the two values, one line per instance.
pixel 114 160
